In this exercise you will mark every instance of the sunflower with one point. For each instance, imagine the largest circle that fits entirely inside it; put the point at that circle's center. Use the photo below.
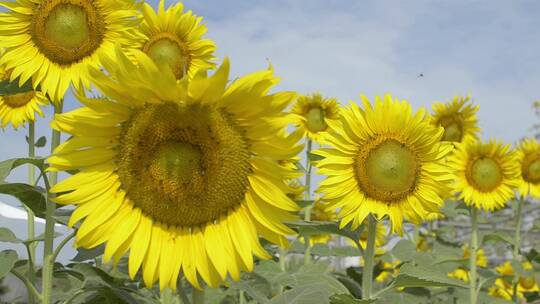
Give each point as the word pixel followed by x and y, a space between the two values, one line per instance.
pixel 502 288
pixel 388 270
pixel 386 161
pixel 54 42
pixel 462 273
pixel 312 114
pixel 458 118
pixel 174 38
pixel 19 108
pixel 183 174
pixel 485 173
pixel 528 157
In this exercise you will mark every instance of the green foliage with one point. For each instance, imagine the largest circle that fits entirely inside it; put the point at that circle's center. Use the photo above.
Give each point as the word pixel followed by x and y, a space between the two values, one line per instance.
pixel 7 261
pixel 10 88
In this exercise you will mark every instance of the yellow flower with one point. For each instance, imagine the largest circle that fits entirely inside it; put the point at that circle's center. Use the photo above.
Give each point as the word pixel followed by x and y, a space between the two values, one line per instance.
pixel 389 270
pixel 17 109
pixel 463 274
pixel 528 157
pixel 503 288
pixel 182 174
pixel 174 38
pixel 485 173
pixel 55 42
pixel 313 113
pixel 458 118
pixel 386 161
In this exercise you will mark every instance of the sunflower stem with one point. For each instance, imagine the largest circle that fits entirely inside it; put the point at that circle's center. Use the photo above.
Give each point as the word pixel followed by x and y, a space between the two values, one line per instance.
pixel 472 258
pixel 198 296
pixel 517 243
pixel 167 296
pixel 48 259
pixel 241 297
pixel 369 254
pixel 307 214
pixel 282 265
pixel 30 213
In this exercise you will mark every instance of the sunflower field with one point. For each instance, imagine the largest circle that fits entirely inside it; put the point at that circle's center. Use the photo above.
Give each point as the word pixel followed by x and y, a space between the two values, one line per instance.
pixel 177 183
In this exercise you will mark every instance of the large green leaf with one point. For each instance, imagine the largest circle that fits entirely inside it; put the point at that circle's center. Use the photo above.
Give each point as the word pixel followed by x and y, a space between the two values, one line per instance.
pixel 10 164
pixel 348 299
pixel 420 276
pixel 7 261
pixel 88 254
pixel 404 250
pixel 305 294
pixel 31 196
pixel 498 237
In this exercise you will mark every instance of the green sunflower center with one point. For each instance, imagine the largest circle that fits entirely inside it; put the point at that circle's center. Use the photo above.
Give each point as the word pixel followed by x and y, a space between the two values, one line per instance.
pixel 183 165
pixel 67 31
pixel 18 100
pixel 166 48
pixel 485 174
pixel 453 129
pixel 315 120
pixel 531 169
pixel 387 170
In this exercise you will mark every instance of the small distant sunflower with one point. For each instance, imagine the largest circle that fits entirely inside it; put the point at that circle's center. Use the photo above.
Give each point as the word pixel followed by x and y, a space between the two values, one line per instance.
pixel 54 42
pixel 389 270
pixel 485 173
pixel 462 273
pixel 386 161
pixel 458 118
pixel 17 109
pixel 503 288
pixel 182 174
pixel 313 113
pixel 174 37
pixel 528 157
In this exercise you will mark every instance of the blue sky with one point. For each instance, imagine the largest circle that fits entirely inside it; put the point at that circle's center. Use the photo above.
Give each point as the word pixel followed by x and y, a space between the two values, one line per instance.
pixel 488 49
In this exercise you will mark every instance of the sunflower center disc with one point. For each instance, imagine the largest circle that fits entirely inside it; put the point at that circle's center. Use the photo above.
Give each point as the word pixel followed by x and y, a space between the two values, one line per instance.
pixel 452 132
pixel 527 283
pixel 167 49
pixel 531 170
pixel 315 120
pixel 18 100
pixel 387 171
pixel 67 31
pixel 183 165
pixel 485 174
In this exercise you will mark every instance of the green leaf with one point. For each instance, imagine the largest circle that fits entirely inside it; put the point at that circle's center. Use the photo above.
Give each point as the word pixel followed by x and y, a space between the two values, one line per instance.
pixel 41 142
pixel 404 250
pixel 12 87
pixel 318 228
pixel 498 237
pixel 10 164
pixel 348 299
pixel 8 236
pixel 314 157
pixel 306 294
pixel 31 196
pixel 352 286
pixel 88 254
pixel 62 215
pixel 7 261
pixel 419 276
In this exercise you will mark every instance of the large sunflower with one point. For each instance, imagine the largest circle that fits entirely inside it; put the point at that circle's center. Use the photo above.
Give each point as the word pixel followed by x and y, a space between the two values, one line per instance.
pixel 183 174
pixel 503 288
pixel 458 118
pixel 312 114
pixel 485 173
pixel 54 42
pixel 528 157
pixel 386 161
pixel 17 109
pixel 174 37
